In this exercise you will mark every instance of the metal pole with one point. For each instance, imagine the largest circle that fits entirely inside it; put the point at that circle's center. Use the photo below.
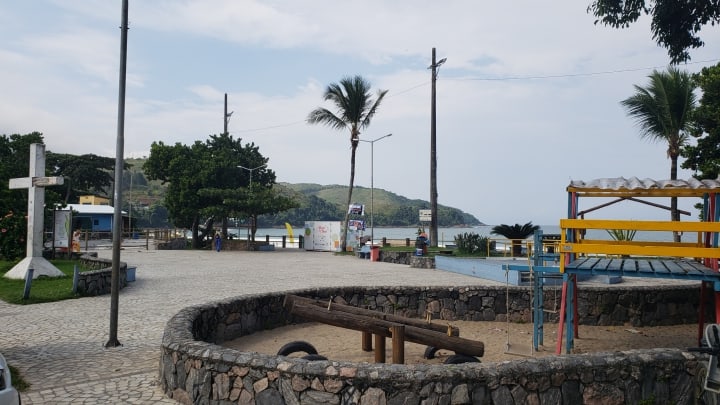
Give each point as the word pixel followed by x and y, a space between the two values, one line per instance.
pixel 372 195
pixel 119 160
pixel 372 185
pixel 433 160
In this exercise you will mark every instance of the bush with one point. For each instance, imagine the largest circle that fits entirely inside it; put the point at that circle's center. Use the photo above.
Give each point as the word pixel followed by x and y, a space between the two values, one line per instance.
pixel 472 244
pixel 13 230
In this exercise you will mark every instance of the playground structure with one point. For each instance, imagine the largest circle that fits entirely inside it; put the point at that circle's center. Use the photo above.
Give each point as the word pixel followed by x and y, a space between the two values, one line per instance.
pixel 648 258
pixel 381 326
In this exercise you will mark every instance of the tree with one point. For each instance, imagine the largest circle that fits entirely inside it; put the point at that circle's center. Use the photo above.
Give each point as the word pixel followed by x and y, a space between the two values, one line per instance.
pixel 674 23
pixel 355 109
pixel 84 174
pixel 704 157
pixel 205 183
pixel 516 233
pixel 663 110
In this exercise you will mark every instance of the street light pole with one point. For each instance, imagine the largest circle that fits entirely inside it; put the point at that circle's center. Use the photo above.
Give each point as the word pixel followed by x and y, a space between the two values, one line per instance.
pixel 372 185
pixel 252 216
pixel 433 155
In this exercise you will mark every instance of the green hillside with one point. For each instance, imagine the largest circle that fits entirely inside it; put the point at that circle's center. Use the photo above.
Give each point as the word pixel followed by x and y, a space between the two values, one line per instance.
pixel 317 203
pixel 390 209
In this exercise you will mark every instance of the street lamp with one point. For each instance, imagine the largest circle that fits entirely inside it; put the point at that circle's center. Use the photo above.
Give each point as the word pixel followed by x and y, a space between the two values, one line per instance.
pixel 252 216
pixel 372 186
pixel 251 170
pixel 433 155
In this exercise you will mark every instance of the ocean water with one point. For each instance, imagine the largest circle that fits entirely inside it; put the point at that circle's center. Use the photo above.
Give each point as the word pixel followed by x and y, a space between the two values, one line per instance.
pixel 447 235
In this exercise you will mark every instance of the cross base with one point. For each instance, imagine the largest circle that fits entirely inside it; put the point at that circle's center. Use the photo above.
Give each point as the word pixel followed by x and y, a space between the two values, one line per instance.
pixel 40 266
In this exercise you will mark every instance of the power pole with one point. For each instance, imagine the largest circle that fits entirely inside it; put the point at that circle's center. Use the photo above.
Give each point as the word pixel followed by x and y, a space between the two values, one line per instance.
pixel 433 156
pixel 119 160
pixel 226 117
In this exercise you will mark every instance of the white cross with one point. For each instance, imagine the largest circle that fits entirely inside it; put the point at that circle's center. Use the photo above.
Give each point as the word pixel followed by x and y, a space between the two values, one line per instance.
pixel 35 184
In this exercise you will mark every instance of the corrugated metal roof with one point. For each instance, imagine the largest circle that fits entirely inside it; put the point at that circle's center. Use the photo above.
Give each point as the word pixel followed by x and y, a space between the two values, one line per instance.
pixel 93 209
pixel 633 183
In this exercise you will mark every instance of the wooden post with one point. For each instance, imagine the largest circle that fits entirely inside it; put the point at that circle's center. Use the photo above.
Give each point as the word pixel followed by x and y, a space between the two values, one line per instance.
pixel 366 341
pixel 398 344
pixel 379 349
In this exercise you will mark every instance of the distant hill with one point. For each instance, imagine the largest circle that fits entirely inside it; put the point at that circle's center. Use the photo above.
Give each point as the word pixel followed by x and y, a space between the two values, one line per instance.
pixel 317 203
pixel 327 203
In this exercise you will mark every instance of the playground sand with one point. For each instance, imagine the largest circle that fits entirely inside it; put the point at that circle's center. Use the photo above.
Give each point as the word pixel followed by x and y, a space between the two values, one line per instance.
pixel 344 345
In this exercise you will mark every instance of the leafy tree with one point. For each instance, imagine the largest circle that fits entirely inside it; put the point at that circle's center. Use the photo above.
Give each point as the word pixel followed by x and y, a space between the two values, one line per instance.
pixel 704 157
pixel 355 109
pixel 84 174
pixel 516 233
pixel 674 23
pixel 205 182
pixel 663 111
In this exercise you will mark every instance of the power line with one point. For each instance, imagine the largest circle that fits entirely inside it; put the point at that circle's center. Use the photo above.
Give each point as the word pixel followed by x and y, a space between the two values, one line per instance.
pixel 507 78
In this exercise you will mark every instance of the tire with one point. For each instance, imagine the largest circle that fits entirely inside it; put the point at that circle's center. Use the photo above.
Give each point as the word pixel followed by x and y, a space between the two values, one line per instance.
pixel 296 346
pixel 430 352
pixel 460 359
pixel 314 357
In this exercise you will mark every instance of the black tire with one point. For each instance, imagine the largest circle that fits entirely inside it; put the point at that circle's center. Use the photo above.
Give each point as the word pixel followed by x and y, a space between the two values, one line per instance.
pixel 314 357
pixel 430 352
pixel 461 358
pixel 296 346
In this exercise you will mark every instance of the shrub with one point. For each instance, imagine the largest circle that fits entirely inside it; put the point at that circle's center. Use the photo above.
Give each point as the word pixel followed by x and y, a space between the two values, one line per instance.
pixel 12 236
pixel 472 244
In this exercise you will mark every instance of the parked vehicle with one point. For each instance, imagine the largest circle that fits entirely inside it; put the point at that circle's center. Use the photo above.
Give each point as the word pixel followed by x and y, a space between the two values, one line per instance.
pixel 8 394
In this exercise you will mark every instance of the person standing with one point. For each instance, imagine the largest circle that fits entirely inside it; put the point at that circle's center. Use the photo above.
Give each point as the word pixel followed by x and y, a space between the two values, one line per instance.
pixel 218 241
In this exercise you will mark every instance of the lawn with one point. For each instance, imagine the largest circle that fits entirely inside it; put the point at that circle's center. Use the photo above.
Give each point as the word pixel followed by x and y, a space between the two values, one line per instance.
pixel 42 289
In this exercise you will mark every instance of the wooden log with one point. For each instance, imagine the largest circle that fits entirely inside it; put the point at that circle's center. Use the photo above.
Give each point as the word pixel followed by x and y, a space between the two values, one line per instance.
pixel 398 343
pixel 366 343
pixel 381 327
pixel 379 349
pixel 420 323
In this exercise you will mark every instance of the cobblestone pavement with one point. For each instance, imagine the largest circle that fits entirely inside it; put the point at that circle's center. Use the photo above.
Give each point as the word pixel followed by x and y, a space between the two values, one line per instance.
pixel 59 347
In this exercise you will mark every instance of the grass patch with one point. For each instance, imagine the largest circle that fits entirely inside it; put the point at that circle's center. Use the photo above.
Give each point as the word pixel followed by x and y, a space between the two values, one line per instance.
pixel 17 381
pixel 43 289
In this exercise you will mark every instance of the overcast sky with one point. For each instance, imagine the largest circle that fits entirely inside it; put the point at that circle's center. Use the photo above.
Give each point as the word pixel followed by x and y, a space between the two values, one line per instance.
pixel 527 100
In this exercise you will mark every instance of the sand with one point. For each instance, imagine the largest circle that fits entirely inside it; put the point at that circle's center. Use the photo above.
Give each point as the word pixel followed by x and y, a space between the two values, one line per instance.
pixel 344 344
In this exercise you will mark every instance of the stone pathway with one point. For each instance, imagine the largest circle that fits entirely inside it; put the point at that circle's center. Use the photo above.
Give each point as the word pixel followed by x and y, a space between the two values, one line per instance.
pixel 59 347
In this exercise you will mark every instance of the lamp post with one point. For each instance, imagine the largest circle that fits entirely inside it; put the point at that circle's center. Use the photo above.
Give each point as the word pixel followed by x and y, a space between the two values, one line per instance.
pixel 372 186
pixel 433 156
pixel 252 216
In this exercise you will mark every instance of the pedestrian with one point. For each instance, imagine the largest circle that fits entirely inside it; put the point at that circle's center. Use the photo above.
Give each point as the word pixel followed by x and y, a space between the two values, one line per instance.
pixel 218 241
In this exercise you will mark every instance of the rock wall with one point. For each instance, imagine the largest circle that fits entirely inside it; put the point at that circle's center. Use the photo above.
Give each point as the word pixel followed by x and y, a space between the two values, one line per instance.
pixel 98 281
pixel 195 369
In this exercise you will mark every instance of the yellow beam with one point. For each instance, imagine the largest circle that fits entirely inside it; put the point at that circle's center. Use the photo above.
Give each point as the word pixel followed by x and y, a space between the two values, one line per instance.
pixel 610 224
pixel 662 251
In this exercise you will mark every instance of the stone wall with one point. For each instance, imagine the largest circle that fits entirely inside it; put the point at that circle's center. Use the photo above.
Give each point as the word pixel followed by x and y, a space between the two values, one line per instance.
pixel 98 281
pixel 195 369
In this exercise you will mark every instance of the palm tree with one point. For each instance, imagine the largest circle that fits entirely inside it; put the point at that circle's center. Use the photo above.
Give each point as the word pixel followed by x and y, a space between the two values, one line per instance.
pixel 662 111
pixel 515 233
pixel 355 108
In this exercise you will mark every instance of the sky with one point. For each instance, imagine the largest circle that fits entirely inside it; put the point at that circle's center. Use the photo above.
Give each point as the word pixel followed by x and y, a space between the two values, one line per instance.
pixel 528 99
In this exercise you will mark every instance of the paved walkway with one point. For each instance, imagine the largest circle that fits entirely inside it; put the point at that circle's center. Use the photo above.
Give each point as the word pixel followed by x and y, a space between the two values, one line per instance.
pixel 59 347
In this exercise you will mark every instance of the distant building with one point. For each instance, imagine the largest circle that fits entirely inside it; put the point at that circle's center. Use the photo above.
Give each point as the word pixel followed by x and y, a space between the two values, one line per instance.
pixel 94 200
pixel 94 218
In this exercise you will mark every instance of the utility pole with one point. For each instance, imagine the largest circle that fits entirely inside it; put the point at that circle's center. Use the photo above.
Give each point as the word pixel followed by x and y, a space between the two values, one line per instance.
pixel 226 117
pixel 119 160
pixel 433 155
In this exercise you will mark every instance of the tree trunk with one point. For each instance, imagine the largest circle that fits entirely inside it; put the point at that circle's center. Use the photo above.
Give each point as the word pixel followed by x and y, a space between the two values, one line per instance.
pixel 674 214
pixel 353 147
pixel 195 236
